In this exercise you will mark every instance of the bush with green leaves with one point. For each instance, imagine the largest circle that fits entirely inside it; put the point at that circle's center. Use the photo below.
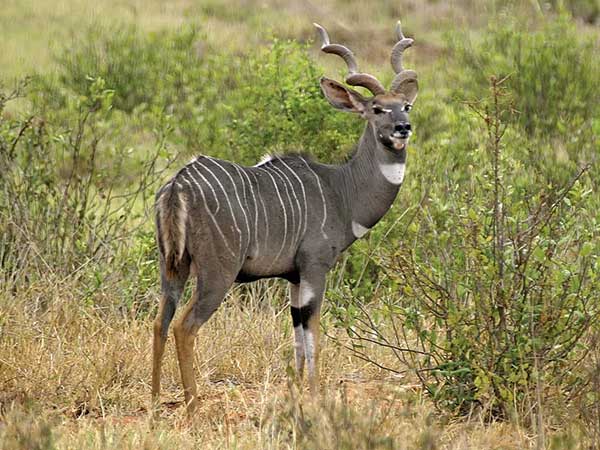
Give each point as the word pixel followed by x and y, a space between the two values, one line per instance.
pixel 279 107
pixel 553 76
pixel 497 283
pixel 72 217
pixel 141 68
pixel 238 107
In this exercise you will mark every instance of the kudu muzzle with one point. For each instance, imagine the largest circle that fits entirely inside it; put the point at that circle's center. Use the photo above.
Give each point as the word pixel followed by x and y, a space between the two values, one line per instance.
pixel 402 130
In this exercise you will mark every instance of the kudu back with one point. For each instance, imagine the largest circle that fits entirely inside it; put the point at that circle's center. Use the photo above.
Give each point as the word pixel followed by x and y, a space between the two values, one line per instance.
pixel 287 217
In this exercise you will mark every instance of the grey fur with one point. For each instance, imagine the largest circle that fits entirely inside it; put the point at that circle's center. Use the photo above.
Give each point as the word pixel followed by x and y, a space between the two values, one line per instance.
pixel 288 217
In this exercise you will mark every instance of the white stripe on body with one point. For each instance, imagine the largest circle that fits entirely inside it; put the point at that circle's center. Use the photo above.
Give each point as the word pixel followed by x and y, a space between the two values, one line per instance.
pixel 287 193
pixel 241 172
pixel 181 175
pixel 210 214
pixel 284 218
pixel 292 187
pixel 297 233
pixel 210 186
pixel 264 208
pixel 228 204
pixel 303 195
pixel 322 198
pixel 237 195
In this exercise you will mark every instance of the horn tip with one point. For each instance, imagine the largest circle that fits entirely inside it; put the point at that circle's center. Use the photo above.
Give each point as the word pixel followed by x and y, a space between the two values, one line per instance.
pixel 323 34
pixel 399 30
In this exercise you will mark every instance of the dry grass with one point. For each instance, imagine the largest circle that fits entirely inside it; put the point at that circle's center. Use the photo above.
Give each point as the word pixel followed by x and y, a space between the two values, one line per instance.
pixel 76 376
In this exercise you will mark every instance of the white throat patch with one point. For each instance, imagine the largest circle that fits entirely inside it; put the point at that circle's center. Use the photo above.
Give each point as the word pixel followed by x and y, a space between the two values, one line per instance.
pixel 394 173
pixel 358 230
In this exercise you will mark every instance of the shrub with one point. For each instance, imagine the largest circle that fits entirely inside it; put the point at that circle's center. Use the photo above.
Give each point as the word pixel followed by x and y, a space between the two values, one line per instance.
pixel 554 72
pixel 279 107
pixel 498 285
pixel 237 107
pixel 141 68
pixel 71 217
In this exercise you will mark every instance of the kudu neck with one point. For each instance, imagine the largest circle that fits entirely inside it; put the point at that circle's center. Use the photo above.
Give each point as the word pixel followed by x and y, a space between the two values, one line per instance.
pixel 367 193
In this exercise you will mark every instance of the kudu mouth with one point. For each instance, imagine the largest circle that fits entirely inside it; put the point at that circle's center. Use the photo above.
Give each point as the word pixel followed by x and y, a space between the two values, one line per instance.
pixel 399 142
pixel 396 140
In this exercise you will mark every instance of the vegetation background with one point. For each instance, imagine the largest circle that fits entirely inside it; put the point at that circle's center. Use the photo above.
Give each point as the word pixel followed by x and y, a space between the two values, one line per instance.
pixel 468 318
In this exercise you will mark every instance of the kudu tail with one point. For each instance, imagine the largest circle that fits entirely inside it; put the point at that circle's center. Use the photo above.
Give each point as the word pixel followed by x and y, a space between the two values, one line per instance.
pixel 171 220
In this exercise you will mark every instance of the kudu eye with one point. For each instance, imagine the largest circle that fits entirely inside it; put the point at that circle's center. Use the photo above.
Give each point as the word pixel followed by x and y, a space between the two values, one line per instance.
pixel 407 107
pixel 380 110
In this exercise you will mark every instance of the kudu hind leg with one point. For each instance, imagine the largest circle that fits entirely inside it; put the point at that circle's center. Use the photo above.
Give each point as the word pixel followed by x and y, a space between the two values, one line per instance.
pixel 171 292
pixel 210 292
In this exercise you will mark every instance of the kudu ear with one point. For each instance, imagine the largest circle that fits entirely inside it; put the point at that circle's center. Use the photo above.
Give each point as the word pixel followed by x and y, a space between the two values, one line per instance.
pixel 408 87
pixel 342 97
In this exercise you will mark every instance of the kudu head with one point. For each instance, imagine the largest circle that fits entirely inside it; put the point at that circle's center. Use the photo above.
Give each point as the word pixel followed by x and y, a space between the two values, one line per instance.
pixel 386 111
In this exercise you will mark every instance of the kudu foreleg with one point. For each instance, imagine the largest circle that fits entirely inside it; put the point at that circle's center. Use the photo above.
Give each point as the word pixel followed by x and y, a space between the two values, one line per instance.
pixel 298 330
pixel 306 299
pixel 312 349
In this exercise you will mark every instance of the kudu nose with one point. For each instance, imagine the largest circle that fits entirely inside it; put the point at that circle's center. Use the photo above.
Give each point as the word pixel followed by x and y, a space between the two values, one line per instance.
pixel 403 128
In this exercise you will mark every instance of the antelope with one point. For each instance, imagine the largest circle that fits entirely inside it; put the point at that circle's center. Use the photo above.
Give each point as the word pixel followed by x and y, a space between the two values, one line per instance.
pixel 288 217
